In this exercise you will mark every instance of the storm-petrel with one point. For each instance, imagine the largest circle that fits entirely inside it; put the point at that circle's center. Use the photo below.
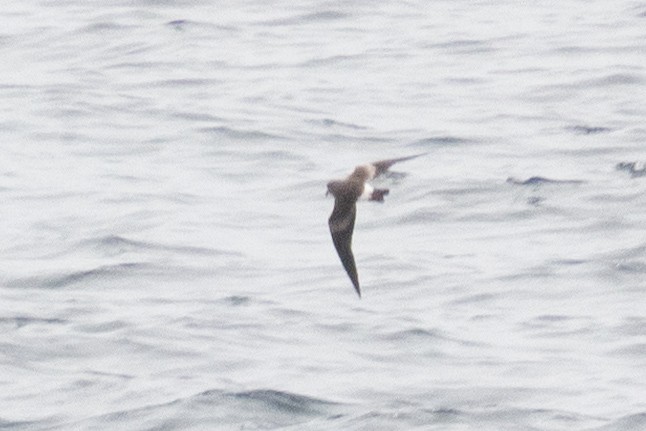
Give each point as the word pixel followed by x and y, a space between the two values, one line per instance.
pixel 346 193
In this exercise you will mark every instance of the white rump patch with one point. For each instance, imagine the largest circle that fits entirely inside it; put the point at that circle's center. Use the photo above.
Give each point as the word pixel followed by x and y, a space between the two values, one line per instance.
pixel 367 192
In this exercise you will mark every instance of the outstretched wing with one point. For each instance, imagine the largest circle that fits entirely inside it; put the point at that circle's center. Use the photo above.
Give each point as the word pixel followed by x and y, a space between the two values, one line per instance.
pixel 383 165
pixel 341 227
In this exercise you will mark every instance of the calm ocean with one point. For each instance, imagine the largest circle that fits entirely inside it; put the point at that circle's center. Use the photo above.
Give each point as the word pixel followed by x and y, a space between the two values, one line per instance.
pixel 165 259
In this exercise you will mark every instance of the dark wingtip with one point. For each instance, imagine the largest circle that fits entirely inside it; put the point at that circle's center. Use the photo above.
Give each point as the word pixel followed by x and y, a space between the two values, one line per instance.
pixel 403 159
pixel 383 165
pixel 414 156
pixel 355 284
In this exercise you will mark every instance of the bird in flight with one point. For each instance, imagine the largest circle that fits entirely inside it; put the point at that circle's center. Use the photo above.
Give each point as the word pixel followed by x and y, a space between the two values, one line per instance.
pixel 346 193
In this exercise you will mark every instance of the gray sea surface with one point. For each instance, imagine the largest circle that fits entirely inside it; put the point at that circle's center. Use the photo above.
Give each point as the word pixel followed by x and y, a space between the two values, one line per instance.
pixel 165 259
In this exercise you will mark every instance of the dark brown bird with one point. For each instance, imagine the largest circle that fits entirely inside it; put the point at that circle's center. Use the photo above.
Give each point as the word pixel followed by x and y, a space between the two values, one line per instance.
pixel 346 193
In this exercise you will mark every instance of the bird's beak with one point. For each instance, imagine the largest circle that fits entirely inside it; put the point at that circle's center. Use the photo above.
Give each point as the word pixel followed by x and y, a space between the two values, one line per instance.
pixel 327 193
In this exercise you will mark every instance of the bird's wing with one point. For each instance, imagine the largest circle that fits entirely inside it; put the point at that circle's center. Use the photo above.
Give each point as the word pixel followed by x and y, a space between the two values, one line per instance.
pixel 383 165
pixel 341 227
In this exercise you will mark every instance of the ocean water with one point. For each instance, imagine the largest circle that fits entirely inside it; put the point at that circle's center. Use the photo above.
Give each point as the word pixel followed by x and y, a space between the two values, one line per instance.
pixel 165 257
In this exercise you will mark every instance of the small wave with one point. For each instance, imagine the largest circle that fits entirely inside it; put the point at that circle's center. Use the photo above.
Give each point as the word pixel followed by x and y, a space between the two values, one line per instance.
pixel 181 82
pixel 117 243
pixel 212 409
pixel 615 79
pixel 330 60
pixel 21 321
pixel 634 326
pixel 627 423
pixel 632 168
pixel 535 181
pixel 102 28
pixel 414 334
pixel 328 15
pixel 139 65
pixel 552 318
pixel 284 401
pixel 535 200
pixel 444 413
pixel 342 137
pixel 179 24
pixel 475 298
pixel 464 46
pixel 23 425
pixel 315 17
pixel 102 327
pixel 439 141
pixel 197 116
pixel 420 335
pixel 58 281
pixel 237 134
pixel 631 253
pixel 637 350
pixel 184 24
pixel 282 155
pixel 569 262
pixel 588 130
pixel 328 122
pixel 421 216
pixel 114 245
pixel 631 267
pixel 236 300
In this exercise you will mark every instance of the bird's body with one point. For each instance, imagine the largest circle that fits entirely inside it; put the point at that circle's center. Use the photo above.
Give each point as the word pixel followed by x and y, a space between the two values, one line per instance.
pixel 346 193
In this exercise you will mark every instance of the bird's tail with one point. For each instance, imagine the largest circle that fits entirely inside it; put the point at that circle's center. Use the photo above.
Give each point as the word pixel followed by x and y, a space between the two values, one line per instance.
pixel 378 194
